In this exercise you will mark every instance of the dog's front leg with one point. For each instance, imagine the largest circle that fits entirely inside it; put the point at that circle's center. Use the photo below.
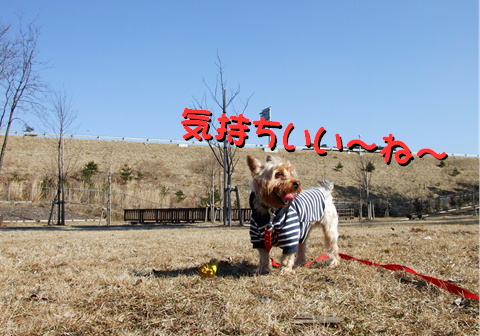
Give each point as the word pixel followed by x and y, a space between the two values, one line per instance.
pixel 264 261
pixel 301 258
pixel 287 261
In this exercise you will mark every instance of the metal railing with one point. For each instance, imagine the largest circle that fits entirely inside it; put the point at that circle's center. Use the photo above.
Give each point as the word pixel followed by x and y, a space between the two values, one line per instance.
pixel 183 142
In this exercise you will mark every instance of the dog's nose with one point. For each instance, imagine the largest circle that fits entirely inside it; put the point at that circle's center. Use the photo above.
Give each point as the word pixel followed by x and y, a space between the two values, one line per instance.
pixel 296 184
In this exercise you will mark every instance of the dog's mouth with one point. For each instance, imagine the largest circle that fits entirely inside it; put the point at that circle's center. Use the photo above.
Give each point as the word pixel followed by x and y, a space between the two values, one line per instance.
pixel 278 197
pixel 287 198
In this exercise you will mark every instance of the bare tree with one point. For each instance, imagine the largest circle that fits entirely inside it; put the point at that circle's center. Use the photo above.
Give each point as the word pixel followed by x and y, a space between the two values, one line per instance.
pixel 223 151
pixel 365 166
pixel 60 119
pixel 19 75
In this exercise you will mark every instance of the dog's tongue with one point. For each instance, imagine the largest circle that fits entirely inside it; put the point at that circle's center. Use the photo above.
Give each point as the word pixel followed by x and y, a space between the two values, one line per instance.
pixel 288 198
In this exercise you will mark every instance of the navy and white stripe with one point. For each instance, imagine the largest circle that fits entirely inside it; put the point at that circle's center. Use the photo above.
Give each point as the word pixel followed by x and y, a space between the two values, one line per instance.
pixel 290 226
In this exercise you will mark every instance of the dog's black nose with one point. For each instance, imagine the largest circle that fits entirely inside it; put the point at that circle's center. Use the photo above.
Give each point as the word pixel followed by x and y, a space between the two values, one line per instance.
pixel 296 184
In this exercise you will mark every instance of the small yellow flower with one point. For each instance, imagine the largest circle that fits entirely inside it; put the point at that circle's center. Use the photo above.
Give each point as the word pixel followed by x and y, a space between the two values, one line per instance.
pixel 208 270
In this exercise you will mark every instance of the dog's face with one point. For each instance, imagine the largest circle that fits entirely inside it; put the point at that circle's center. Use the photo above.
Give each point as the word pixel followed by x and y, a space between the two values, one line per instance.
pixel 275 181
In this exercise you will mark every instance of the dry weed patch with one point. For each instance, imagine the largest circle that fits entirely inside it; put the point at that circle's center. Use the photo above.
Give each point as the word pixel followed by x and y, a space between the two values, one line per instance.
pixel 103 282
pixel 160 170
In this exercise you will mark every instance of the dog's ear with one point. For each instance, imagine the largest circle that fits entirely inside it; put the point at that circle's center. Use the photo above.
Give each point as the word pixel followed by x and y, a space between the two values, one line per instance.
pixel 254 165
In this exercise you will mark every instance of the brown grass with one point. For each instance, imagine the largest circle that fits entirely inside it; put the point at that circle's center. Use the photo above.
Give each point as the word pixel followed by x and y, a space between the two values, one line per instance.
pixel 101 283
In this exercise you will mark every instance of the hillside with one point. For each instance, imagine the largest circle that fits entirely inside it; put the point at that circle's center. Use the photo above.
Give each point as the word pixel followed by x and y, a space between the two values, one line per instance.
pixel 168 173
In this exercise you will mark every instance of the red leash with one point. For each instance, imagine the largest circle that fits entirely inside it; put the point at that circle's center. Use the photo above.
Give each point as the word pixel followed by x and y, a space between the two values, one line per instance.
pixel 452 288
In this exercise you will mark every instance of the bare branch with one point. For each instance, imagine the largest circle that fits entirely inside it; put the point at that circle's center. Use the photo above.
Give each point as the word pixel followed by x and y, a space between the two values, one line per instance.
pixel 224 152
pixel 20 80
pixel 7 52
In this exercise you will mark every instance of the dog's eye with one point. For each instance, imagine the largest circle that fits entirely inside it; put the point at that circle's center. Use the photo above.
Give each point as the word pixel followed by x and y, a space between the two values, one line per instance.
pixel 278 174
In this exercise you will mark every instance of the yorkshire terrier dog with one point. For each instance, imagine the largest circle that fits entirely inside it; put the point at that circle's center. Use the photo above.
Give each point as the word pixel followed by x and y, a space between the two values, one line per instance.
pixel 283 214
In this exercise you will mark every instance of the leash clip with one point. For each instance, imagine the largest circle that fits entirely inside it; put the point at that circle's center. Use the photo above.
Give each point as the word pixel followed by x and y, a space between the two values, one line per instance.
pixel 271 212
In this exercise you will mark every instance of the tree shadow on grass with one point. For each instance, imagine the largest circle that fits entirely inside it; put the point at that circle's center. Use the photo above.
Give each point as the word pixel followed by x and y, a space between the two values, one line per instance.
pixel 225 269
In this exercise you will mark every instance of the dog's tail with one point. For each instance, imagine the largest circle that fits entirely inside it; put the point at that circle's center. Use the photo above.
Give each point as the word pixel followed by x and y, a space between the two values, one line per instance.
pixel 329 185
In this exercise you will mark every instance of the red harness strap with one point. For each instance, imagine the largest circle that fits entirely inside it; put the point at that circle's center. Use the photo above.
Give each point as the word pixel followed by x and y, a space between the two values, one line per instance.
pixel 267 236
pixel 452 288
pixel 268 240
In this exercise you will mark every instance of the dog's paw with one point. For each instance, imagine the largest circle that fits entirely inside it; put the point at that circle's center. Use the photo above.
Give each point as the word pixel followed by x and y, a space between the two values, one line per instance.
pixel 300 262
pixel 286 271
pixel 263 271
pixel 333 263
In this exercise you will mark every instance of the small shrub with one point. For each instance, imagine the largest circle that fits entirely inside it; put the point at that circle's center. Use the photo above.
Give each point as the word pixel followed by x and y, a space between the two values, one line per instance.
pixel 164 190
pixel 90 169
pixel 338 167
pixel 180 195
pixel 140 176
pixel 204 201
pixel 370 167
pixel 126 173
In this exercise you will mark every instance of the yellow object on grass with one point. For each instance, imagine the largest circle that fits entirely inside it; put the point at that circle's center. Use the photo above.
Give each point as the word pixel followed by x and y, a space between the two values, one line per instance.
pixel 208 270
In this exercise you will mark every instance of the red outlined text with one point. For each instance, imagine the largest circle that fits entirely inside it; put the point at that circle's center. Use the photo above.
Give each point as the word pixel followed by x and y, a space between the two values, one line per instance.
pixel 234 130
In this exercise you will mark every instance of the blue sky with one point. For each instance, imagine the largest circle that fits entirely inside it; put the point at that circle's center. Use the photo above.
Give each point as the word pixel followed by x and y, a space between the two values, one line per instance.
pixel 369 68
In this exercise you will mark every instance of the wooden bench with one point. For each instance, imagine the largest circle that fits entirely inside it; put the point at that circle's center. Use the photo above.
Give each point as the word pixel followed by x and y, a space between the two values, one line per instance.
pixel 346 214
pixel 415 216
pixel 178 215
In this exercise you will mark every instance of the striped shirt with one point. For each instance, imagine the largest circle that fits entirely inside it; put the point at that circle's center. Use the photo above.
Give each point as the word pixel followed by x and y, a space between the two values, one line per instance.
pixel 291 224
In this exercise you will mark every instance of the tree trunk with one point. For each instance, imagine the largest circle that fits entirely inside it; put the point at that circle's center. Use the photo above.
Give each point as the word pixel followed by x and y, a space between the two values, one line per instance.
pixel 5 140
pixel 61 181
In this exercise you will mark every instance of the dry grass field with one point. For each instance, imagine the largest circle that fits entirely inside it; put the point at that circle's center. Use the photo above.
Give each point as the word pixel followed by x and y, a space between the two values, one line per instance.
pixel 166 169
pixel 101 282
